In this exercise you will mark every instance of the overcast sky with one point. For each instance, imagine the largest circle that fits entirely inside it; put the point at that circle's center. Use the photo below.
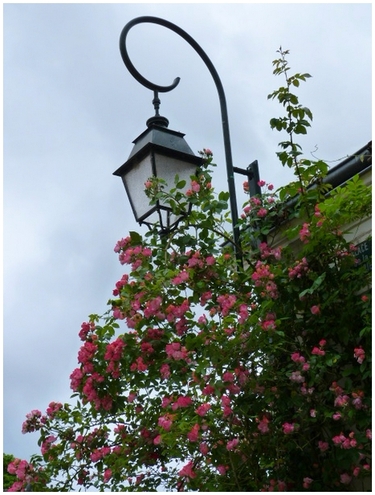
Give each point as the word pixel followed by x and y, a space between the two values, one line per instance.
pixel 71 112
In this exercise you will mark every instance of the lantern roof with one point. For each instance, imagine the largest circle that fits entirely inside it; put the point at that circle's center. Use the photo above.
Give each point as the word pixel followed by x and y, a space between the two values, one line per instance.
pixel 159 135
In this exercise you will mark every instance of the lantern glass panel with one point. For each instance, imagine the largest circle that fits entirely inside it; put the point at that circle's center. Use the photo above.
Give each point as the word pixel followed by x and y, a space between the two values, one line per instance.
pixel 166 168
pixel 134 180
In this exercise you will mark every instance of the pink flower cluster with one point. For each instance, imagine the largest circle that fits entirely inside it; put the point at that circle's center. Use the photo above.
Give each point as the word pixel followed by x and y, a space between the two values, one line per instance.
pixel 267 252
pixel 297 358
pixel 135 256
pixel 263 277
pixel 296 377
pixel 25 474
pixel 197 260
pixel 90 393
pixel 122 244
pixel 307 482
pixel 345 478
pixel 208 390
pixel 88 379
pixel 182 401
pixel 53 408
pixel 153 308
pixel 86 328
pixel 323 446
pixel 86 355
pixel 113 354
pixel 304 233
pixel 345 442
pixel 206 296
pixel 76 379
pixel 177 311
pixel 243 313
pixel 257 205
pixel 288 428
pixel 165 371
pixel 34 421
pixel 318 351
pixel 165 422
pixel 232 444
pixel 203 409
pixel 342 399
pixel 262 212
pixel 107 475
pixel 357 399
pixel 120 284
pixel 359 354
pixel 277 485
pixel 139 365
pixel 182 277
pixel 99 454
pixel 222 469
pixel 269 323
pixel 47 444
pixel 226 302
pixel 299 269
pixel 226 405
pixel 193 434
pixel 85 444
pixel 263 425
pixel 176 351
pixel 194 188
pixel 203 448
pixel 188 471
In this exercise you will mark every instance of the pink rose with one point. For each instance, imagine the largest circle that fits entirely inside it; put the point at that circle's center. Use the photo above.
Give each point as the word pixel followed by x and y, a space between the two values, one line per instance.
pixel 288 428
pixel 359 354
pixel 187 470
pixel 202 409
pixel 315 310
pixel 232 444
pixel 157 440
pixel 193 433
pixel 107 474
pixel 203 448
pixel 222 469
pixel 345 479
pixel 323 446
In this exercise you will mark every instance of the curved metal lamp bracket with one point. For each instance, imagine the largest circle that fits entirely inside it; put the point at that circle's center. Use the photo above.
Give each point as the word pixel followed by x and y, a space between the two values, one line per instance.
pixel 125 57
pixel 164 89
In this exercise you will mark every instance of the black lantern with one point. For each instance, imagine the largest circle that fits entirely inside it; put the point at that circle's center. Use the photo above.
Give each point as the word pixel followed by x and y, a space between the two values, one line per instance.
pixel 157 152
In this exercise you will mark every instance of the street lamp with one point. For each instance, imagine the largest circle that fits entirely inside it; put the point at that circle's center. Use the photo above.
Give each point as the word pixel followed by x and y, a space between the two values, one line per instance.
pixel 145 148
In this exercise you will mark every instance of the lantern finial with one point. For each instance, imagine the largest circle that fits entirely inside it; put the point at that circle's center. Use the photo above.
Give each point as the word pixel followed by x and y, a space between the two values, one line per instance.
pixel 157 119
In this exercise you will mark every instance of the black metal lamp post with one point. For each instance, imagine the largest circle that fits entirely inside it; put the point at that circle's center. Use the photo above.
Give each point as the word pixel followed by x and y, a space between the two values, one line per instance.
pixel 150 148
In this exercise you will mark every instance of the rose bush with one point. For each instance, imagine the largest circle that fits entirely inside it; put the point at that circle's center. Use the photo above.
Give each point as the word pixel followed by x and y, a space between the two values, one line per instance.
pixel 214 375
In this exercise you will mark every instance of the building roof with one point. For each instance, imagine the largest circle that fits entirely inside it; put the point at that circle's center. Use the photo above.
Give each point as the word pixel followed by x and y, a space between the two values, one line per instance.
pixel 357 163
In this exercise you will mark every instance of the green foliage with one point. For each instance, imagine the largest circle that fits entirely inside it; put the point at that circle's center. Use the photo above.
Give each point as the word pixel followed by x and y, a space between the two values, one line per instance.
pixel 8 479
pixel 206 375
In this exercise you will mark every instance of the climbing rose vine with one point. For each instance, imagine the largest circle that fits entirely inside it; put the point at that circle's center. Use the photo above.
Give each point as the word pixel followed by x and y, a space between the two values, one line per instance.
pixel 211 373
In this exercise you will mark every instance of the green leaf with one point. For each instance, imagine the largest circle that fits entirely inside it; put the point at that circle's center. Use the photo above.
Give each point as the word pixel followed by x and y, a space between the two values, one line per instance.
pixel 181 184
pixel 135 237
pixel 300 129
